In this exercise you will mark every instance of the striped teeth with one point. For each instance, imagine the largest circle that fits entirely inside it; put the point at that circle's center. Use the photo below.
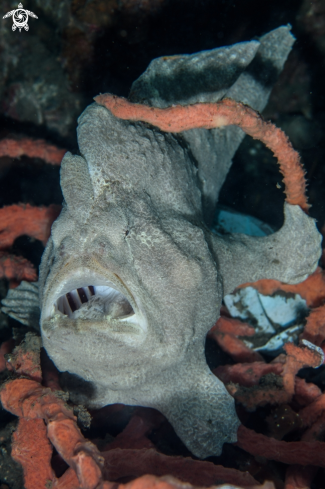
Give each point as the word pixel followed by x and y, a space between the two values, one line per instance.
pixel 94 302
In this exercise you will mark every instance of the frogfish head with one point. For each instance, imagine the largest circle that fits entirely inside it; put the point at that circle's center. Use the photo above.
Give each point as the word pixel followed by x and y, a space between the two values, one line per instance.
pixel 128 284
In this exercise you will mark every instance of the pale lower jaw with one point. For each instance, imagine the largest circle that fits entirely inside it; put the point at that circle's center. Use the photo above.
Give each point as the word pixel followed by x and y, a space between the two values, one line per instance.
pixel 128 330
pixel 96 353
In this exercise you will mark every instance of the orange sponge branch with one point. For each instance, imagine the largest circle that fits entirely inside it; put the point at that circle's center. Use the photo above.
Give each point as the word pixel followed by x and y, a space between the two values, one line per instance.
pixel 212 115
pixel 19 220
pixel 24 219
pixel 33 148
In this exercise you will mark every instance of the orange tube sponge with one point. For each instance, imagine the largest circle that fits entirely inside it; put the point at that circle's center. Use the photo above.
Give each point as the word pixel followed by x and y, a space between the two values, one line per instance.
pixel 31 448
pixel 223 113
pixel 315 327
pixel 17 220
pixel 312 289
pixel 305 393
pixel 295 452
pixel 33 148
pixel 44 416
pixel 246 374
pixel 27 399
pixel 225 333
pixel 136 463
pixel 16 268
pixel 281 388
pixel 297 358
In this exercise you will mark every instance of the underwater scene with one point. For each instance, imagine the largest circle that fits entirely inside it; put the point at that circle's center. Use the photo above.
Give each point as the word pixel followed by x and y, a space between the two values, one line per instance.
pixel 162 272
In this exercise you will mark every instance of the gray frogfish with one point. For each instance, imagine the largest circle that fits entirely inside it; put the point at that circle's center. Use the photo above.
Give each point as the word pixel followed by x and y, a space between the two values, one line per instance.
pixel 132 278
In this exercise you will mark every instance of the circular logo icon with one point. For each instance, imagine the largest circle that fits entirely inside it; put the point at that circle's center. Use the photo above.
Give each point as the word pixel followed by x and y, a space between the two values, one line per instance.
pixel 20 19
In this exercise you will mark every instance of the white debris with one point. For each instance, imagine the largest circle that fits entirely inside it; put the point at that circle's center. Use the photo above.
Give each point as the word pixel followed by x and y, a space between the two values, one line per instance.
pixel 246 304
pixel 279 316
pixel 288 335
pixel 283 310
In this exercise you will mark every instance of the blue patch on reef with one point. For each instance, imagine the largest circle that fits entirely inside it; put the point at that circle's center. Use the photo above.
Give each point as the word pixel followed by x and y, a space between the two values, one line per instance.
pixel 228 221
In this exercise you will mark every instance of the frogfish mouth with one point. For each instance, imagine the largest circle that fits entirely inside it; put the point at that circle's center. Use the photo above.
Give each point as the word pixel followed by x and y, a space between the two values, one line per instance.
pixel 132 278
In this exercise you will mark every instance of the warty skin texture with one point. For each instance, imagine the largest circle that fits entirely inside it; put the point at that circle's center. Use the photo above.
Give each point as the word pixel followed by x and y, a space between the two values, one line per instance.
pixel 151 248
pixel 147 239
pixel 137 205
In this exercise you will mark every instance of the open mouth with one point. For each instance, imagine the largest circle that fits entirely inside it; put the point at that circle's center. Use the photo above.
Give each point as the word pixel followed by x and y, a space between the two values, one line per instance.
pixel 83 300
pixel 94 302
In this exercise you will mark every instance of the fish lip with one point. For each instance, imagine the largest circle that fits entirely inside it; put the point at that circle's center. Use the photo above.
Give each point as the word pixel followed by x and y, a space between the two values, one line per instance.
pixel 76 278
pixel 128 333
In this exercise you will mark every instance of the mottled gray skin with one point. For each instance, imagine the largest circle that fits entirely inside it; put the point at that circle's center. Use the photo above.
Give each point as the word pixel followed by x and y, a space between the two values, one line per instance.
pixel 245 72
pixel 137 226
pixel 133 218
